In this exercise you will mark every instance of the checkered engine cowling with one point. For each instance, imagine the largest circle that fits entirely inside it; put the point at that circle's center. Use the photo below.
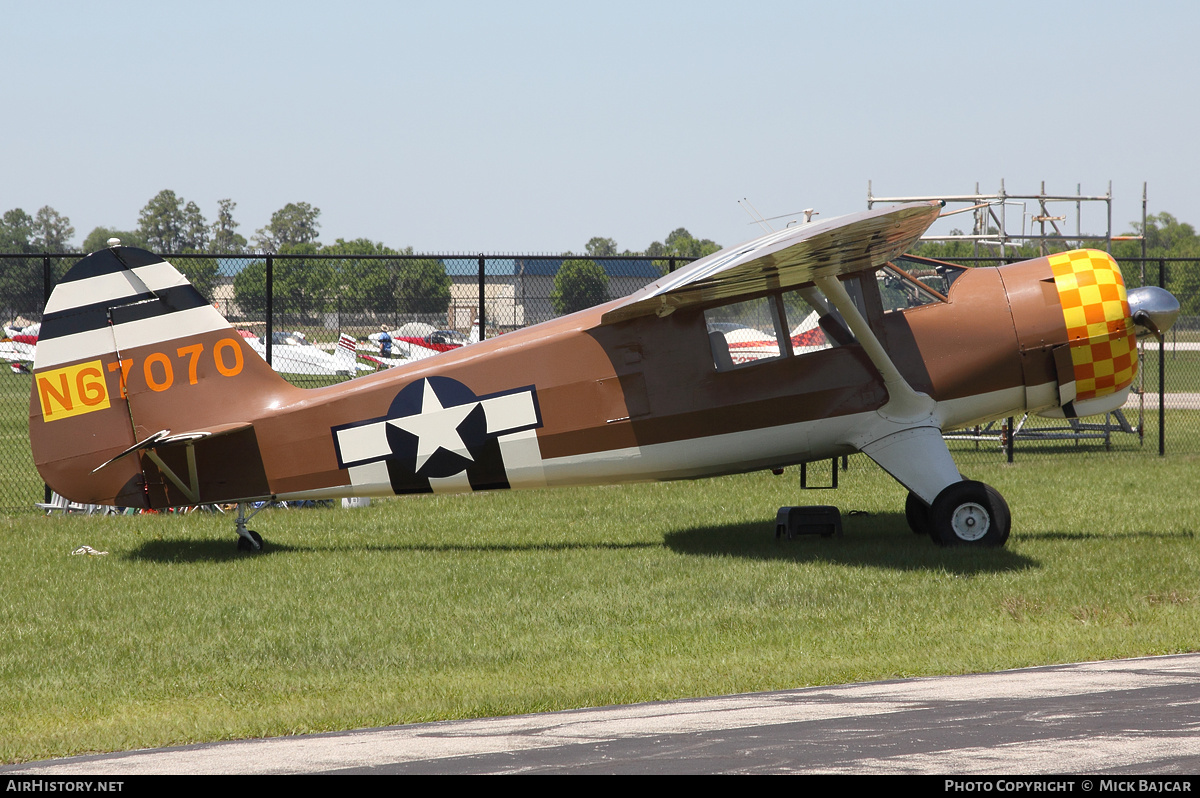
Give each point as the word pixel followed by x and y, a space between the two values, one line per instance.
pixel 1100 333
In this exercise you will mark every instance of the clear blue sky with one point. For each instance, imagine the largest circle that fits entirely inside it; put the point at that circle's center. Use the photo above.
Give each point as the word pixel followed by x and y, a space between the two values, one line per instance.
pixel 528 126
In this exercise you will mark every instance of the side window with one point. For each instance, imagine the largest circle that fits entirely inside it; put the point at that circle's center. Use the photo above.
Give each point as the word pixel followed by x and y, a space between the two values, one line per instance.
pixel 746 332
pixel 804 325
pixel 794 323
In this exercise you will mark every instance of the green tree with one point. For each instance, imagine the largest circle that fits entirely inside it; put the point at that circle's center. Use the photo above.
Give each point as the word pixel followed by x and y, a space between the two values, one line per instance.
pixel 293 224
pixel 225 239
pixel 168 224
pixel 579 284
pixel 1166 237
pixel 944 250
pixel 16 232
pixel 98 239
pixel 681 244
pixel 52 232
pixel 250 289
pixel 201 273
pixel 422 286
pixel 404 285
pixel 303 286
pixel 601 247
pixel 21 289
pixel 363 284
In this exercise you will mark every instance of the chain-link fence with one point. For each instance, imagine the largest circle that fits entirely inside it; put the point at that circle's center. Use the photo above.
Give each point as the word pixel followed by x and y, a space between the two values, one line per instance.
pixel 294 309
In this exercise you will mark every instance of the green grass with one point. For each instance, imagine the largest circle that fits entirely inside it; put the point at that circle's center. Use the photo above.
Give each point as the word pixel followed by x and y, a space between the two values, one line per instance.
pixel 446 607
pixel 428 608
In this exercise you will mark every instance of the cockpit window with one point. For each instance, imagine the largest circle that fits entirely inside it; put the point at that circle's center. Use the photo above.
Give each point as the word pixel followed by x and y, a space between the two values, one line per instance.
pixel 900 289
pixel 935 275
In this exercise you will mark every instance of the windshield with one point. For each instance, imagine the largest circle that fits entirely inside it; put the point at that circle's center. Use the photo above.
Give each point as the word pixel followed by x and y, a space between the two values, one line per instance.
pixel 900 289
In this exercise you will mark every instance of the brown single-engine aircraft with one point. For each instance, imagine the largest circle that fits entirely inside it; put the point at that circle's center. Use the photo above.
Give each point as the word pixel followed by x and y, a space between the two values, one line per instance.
pixel 145 396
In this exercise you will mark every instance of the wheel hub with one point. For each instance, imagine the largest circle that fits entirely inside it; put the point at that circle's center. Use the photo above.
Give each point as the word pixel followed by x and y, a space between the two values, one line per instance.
pixel 970 521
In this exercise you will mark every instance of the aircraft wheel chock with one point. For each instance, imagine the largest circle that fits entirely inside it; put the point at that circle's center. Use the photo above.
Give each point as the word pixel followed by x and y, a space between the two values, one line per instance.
pixel 970 514
pixel 916 512
pixel 246 544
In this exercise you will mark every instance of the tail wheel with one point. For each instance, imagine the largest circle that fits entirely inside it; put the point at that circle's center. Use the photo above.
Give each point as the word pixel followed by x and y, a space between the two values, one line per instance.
pixel 970 514
pixel 253 543
pixel 916 512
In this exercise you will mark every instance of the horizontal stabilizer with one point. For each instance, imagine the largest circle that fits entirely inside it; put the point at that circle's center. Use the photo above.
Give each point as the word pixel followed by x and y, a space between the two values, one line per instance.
pixel 164 438
pixel 791 257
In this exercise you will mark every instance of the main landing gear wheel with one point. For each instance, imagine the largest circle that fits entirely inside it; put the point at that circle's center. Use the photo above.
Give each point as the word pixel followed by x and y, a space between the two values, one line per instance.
pixel 969 514
pixel 916 512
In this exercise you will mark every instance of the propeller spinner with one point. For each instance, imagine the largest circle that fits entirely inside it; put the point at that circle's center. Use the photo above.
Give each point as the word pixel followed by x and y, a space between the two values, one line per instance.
pixel 1152 309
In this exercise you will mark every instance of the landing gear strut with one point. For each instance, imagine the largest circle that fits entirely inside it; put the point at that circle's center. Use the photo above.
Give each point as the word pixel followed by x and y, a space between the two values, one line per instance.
pixel 248 539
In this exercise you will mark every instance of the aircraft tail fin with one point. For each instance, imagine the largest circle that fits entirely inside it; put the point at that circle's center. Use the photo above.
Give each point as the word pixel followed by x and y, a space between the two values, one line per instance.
pixel 129 349
pixel 345 355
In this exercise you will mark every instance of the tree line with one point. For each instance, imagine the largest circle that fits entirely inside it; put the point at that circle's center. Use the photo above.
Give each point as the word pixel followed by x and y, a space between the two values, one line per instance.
pixel 305 286
pixel 170 224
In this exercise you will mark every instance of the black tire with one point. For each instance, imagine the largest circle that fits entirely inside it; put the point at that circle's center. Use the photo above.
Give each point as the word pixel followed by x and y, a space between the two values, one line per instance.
pixel 916 512
pixel 970 514
pixel 244 544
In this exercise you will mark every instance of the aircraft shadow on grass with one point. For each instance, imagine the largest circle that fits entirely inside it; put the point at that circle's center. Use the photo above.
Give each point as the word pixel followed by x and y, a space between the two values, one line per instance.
pixel 1140 533
pixel 188 550
pixel 204 550
pixel 880 540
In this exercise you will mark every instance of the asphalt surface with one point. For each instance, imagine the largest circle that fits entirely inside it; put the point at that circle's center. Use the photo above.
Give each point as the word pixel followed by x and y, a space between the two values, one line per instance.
pixel 1139 716
pixel 1172 401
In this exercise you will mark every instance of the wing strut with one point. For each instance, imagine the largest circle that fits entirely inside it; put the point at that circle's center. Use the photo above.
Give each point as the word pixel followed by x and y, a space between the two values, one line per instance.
pixel 904 403
pixel 191 490
pixel 906 440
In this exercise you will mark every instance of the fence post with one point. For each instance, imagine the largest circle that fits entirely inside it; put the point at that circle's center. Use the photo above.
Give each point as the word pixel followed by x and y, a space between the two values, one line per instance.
pixel 482 297
pixel 47 286
pixel 1162 371
pixel 270 304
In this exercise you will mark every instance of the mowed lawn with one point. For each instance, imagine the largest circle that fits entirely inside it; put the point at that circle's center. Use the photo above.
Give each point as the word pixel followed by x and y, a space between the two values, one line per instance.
pixel 428 608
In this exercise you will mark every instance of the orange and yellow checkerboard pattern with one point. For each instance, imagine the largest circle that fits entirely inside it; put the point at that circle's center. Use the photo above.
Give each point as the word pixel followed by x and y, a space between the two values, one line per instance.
pixel 1096 310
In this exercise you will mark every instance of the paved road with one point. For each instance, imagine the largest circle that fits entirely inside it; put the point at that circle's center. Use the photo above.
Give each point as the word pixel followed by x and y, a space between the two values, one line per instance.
pixel 1138 716
pixel 1174 346
pixel 1171 401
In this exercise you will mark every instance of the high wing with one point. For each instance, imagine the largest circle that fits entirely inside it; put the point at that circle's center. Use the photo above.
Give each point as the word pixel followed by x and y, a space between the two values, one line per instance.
pixel 790 257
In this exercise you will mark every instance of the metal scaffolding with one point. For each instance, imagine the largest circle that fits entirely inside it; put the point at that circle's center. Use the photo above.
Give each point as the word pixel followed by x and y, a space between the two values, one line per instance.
pixel 992 230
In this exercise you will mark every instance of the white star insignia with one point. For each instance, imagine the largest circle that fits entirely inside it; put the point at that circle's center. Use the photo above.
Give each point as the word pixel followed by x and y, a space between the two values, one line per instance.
pixel 436 427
